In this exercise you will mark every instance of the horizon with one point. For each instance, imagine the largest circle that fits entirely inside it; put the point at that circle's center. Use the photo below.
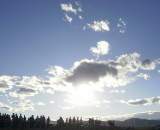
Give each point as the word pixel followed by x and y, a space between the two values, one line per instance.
pixel 80 58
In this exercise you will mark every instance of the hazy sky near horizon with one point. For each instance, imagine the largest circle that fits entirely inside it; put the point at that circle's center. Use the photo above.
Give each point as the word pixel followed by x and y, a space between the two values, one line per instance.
pixel 84 58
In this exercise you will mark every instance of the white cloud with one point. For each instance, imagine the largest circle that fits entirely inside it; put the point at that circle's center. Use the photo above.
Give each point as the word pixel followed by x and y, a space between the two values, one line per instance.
pixel 7 82
pixel 68 8
pixel 101 49
pixel 18 106
pixel 5 106
pixel 95 74
pixel 117 91
pixel 41 104
pixel 51 102
pixel 129 62
pixel 98 26
pixel 68 18
pixel 22 105
pixel 80 17
pixel 111 73
pixel 142 75
pixel 50 91
pixel 32 82
pixel 121 25
pixel 23 93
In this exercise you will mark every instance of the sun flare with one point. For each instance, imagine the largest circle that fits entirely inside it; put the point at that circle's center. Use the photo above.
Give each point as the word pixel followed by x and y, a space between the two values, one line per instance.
pixel 81 96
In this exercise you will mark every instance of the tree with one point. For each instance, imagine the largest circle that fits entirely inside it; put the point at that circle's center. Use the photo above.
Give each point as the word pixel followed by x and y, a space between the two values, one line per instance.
pixel 60 122
pixel 111 123
pixel 91 122
pixel 48 122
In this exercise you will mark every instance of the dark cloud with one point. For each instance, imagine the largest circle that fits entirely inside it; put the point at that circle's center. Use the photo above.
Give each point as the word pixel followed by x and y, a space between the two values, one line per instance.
pixel 148 65
pixel 145 101
pixel 88 71
pixel 25 90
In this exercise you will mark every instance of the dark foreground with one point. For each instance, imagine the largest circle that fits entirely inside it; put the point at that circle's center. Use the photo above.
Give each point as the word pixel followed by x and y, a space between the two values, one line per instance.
pixel 87 128
pixel 20 122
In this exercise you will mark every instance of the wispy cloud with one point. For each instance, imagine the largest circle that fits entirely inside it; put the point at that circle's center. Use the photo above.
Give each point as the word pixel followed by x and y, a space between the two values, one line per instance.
pixel 144 101
pixel 70 10
pixel 98 26
pixel 142 75
pixel 121 25
pixel 68 18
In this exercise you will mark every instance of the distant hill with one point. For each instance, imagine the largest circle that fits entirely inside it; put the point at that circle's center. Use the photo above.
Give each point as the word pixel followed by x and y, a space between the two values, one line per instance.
pixel 136 122
pixel 148 115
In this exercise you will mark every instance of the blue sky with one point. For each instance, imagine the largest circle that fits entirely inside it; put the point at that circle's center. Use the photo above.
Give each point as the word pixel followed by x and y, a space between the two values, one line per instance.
pixel 36 36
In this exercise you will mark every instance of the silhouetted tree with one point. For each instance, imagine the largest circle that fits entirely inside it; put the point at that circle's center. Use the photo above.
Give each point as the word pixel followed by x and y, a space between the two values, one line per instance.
pixel 48 122
pixel 60 122
pixel 111 123
pixel 91 122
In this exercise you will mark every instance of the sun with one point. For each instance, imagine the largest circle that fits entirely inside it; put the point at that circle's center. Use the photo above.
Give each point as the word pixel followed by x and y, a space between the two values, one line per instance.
pixel 81 96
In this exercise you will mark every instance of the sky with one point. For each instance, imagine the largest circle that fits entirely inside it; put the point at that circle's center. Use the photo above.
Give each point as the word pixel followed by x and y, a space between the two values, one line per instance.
pixel 79 58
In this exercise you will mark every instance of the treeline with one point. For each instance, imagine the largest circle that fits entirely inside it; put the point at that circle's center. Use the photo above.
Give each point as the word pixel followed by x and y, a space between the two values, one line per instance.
pixel 19 121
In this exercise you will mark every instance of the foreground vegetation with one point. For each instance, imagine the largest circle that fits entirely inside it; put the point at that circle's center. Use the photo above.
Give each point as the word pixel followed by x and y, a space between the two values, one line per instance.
pixel 19 122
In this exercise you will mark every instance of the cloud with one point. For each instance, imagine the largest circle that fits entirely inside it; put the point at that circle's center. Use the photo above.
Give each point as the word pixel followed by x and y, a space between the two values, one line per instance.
pixel 90 71
pixel 148 64
pixel 22 93
pixel 41 104
pixel 71 9
pixel 98 26
pixel 22 105
pixel 145 101
pixel 68 8
pixel 117 91
pixel 111 73
pixel 142 75
pixel 129 62
pixel 95 75
pixel 31 82
pixel 68 18
pixel 7 82
pixel 5 106
pixel 50 91
pixel 51 102
pixel 18 106
pixel 121 25
pixel 101 49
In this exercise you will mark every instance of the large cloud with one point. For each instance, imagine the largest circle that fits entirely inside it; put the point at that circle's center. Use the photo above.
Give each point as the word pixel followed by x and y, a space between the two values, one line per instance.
pixel 90 70
pixel 111 73
pixel 95 74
